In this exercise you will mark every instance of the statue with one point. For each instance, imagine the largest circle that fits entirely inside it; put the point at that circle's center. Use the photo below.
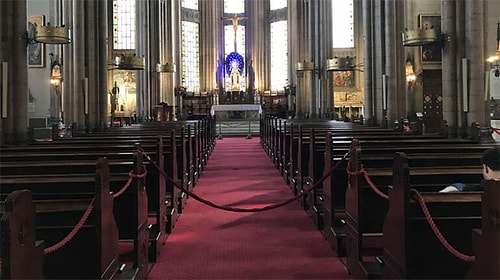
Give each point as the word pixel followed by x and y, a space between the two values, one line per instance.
pixel 235 77
pixel 114 98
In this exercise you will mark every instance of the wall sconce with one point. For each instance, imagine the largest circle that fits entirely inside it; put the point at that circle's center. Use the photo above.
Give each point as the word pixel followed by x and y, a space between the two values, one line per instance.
pixel 55 71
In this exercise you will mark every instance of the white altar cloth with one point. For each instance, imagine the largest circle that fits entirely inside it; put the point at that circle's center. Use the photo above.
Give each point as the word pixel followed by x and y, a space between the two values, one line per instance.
pixel 236 107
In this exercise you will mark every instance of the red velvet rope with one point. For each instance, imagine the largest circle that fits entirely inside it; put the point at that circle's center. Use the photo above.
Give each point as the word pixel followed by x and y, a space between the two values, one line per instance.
pixel 436 231
pixel 85 216
pixel 496 130
pixel 237 209
pixel 132 176
pixel 367 178
pixel 68 237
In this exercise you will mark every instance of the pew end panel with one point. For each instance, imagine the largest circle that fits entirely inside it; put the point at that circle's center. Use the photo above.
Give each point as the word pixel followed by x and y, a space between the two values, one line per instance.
pixel 411 248
pixel 19 249
pixel 486 241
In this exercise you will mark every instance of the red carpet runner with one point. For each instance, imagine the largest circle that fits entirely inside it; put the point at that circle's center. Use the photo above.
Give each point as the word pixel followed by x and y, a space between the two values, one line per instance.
pixel 209 243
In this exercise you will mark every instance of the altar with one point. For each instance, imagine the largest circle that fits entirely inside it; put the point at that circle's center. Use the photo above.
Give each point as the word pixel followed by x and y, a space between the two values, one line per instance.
pixel 236 111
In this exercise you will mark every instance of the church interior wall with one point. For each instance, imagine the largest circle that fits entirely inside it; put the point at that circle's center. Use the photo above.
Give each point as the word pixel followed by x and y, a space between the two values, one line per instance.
pixel 42 94
pixel 38 76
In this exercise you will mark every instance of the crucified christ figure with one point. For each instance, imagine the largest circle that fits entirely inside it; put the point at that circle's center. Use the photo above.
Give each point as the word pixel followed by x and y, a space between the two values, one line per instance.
pixel 234 20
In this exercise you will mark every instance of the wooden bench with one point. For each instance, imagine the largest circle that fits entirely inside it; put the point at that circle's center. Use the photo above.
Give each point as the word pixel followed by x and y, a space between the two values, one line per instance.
pixel 130 208
pixel 486 240
pixel 116 148
pixel 27 226
pixel 311 161
pixel 411 248
pixel 379 154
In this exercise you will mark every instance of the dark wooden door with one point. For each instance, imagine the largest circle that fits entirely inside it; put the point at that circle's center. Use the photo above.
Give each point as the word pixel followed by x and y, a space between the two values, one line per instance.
pixel 432 100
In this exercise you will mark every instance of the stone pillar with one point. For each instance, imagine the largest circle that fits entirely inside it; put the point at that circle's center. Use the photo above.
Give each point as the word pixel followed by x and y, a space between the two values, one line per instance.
pixel 305 65
pixel 77 53
pixel 258 36
pixel 462 122
pixel 326 85
pixel 369 106
pixel 474 42
pixel 14 114
pixel 153 53
pixel 394 61
pixel 210 30
pixel 378 60
pixel 305 71
pixel 449 69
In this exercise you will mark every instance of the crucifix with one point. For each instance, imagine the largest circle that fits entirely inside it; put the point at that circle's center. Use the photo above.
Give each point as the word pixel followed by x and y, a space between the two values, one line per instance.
pixel 235 20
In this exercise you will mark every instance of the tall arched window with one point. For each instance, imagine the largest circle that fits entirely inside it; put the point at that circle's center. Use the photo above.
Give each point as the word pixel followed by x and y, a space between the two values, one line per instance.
pixel 123 25
pixel 279 55
pixel 190 50
pixel 122 99
pixel 279 45
pixel 343 23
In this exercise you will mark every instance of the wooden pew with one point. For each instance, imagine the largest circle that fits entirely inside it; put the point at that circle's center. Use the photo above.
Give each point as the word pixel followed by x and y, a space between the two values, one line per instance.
pixel 411 248
pixel 91 253
pixel 118 150
pixel 191 152
pixel 379 154
pixel 486 240
pixel 131 208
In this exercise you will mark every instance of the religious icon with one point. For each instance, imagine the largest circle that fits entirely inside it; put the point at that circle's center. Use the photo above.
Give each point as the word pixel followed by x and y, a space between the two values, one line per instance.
pixel 36 51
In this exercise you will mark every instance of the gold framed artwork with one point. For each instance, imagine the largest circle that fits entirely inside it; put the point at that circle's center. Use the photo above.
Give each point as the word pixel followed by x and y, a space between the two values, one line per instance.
pixel 431 53
pixel 343 80
pixel 36 51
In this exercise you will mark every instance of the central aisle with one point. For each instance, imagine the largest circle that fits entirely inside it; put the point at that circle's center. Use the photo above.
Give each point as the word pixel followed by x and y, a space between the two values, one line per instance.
pixel 209 243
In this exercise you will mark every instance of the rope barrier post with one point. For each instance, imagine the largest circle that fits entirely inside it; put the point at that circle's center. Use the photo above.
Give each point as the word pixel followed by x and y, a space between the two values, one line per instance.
pixel 220 132
pixel 249 136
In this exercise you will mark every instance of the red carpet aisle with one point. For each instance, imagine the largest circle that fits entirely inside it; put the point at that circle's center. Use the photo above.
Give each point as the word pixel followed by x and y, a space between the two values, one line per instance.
pixel 209 243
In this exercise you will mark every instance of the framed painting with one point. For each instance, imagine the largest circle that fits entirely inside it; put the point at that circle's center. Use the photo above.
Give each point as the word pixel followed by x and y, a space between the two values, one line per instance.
pixel 343 80
pixel 36 51
pixel 431 53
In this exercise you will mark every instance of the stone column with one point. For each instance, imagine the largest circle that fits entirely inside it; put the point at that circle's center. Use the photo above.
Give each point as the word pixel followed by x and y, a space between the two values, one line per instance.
pixel 326 89
pixel 474 43
pixel 143 47
pixel 369 106
pixel 449 69
pixel 210 31
pixel 153 52
pixel 14 121
pixel 258 36
pixel 394 60
pixel 305 65
pixel 78 57
pixel 460 53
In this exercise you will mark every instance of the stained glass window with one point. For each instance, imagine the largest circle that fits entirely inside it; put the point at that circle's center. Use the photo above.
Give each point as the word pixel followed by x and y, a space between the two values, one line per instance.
pixel 343 23
pixel 190 56
pixel 279 55
pixel 190 4
pixel 123 24
pixel 232 45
